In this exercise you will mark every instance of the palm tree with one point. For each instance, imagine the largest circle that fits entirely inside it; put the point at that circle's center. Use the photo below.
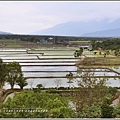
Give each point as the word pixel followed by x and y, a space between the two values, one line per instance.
pixel 22 82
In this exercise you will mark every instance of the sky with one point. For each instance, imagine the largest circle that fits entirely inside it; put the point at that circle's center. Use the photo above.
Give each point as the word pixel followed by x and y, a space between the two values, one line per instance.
pixel 25 17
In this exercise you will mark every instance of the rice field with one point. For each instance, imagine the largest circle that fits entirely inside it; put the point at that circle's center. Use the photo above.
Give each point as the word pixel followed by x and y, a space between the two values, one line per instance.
pixel 53 65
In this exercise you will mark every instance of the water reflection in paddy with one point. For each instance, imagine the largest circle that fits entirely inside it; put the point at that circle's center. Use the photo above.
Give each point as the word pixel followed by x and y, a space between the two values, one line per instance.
pixel 50 82
pixel 49 68
pixel 44 74
pixel 30 71
pixel 31 61
pixel 47 64
pixel 19 58
pixel 64 82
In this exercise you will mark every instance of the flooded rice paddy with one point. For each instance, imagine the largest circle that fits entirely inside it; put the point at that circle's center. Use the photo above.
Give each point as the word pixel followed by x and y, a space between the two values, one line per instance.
pixel 53 66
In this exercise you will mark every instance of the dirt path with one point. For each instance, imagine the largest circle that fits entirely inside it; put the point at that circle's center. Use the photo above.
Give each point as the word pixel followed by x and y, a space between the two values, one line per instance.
pixel 10 95
pixel 78 62
pixel 116 102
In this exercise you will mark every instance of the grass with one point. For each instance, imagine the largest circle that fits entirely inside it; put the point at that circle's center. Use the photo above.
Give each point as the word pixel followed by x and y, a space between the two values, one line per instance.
pixel 68 51
pixel 91 54
pixel 87 41
pixel 14 46
pixel 15 43
pixel 60 52
pixel 101 61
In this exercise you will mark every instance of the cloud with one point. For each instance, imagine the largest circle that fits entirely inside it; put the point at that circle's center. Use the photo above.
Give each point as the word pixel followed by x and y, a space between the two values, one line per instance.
pixel 30 16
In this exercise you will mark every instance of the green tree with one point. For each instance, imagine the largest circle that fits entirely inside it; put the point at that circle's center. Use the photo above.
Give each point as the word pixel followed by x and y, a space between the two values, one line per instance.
pixel 21 81
pixel 100 53
pixel 93 111
pixel 106 109
pixel 116 111
pixel 105 54
pixel 13 73
pixel 2 73
pixel 108 52
pixel 49 106
pixel 79 52
pixel 39 86
pixel 58 110
pixel 93 44
pixel 95 53
pixel 117 52
pixel 91 93
pixel 112 90
pixel 108 44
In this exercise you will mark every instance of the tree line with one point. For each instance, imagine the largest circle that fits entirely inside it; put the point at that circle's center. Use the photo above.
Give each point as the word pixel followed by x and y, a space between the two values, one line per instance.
pixel 109 44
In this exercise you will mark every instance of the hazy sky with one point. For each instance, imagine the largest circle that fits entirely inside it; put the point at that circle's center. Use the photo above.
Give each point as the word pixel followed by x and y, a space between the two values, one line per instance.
pixel 30 16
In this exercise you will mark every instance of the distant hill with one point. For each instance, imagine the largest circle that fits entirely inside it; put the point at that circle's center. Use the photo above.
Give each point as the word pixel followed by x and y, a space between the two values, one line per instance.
pixel 80 28
pixel 5 33
pixel 104 33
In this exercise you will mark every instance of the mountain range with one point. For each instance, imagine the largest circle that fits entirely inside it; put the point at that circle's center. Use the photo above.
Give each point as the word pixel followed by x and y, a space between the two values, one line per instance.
pixel 103 28
pixel 104 33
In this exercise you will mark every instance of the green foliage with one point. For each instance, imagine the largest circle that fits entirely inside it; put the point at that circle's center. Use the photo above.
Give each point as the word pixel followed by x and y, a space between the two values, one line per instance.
pixel 49 106
pixel 87 82
pixel 58 109
pixel 79 52
pixel 106 109
pixel 99 53
pixel 92 111
pixel 2 73
pixel 14 75
pixel 107 44
pixel 22 82
pixel 90 94
pixel 95 53
pixel 116 111
pixel 39 86
pixel 117 52
pixel 107 52
pixel 112 90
